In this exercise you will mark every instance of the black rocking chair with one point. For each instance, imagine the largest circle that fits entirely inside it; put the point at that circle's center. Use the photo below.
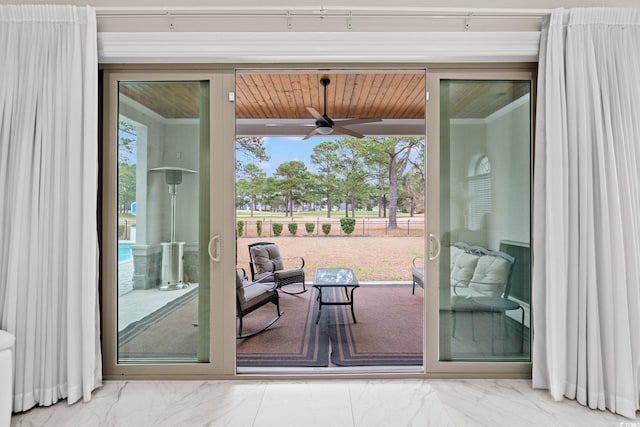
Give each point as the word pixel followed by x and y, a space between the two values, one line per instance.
pixel 265 259
pixel 251 295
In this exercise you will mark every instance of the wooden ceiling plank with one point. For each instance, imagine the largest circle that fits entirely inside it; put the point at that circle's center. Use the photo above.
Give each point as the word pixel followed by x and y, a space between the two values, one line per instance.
pixel 297 106
pixel 379 108
pixel 246 103
pixel 362 87
pixel 284 103
pixel 414 94
pixel 387 101
pixel 263 92
pixel 307 98
pixel 386 105
pixel 349 89
pixel 351 94
pixel 338 96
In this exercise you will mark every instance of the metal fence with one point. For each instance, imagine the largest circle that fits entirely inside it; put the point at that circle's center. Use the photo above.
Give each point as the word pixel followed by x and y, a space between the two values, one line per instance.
pixel 406 226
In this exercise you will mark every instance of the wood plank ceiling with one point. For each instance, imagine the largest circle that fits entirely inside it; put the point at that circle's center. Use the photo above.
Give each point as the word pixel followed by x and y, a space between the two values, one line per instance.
pixel 351 94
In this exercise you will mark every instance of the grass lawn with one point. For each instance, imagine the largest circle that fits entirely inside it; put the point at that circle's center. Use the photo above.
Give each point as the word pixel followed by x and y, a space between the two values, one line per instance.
pixel 371 258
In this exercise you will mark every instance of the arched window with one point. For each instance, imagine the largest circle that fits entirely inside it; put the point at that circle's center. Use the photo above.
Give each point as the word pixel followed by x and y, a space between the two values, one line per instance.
pixel 479 187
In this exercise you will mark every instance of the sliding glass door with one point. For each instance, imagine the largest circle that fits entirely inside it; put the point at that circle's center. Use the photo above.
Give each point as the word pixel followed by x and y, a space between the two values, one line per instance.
pixel 165 293
pixel 162 130
pixel 479 221
pixel 169 225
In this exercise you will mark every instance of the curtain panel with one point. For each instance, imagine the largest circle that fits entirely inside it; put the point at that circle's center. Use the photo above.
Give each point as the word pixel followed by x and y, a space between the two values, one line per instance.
pixel 586 297
pixel 48 188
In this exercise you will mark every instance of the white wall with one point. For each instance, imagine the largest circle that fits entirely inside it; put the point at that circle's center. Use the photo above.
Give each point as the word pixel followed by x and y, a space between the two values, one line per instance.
pixel 182 143
pixel 508 148
pixel 504 138
pixel 150 190
pixel 168 143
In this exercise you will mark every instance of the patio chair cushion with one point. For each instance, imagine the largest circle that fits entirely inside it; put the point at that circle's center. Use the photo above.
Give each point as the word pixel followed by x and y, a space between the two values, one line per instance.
pixel 289 273
pixel 418 275
pixel 252 293
pixel 463 268
pixel 455 252
pixel 490 275
pixel 240 289
pixel 265 257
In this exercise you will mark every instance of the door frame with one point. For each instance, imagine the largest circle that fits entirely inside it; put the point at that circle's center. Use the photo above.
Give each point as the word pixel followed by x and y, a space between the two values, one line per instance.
pixel 435 367
pixel 222 149
pixel 221 157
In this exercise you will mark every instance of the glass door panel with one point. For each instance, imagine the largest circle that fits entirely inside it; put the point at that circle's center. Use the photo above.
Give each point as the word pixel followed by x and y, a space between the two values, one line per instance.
pixel 163 211
pixel 484 220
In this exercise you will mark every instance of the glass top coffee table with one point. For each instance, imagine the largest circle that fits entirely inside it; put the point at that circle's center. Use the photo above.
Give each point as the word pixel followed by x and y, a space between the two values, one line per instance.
pixel 335 278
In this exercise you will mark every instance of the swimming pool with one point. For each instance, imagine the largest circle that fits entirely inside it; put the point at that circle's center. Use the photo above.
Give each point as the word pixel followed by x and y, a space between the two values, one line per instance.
pixel 124 252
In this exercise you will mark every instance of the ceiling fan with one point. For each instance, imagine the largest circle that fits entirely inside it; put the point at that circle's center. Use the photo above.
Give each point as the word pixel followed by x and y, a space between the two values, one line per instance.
pixel 326 126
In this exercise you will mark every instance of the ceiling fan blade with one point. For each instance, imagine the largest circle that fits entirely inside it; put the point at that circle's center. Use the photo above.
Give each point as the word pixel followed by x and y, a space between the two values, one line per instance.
pixel 289 124
pixel 348 122
pixel 316 115
pixel 346 131
pixel 310 134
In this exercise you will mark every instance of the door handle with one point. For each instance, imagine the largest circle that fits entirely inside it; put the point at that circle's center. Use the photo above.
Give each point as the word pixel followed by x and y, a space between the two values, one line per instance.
pixel 214 243
pixel 434 241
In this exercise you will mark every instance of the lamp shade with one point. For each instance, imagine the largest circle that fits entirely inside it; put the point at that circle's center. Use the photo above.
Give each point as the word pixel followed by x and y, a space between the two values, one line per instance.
pixel 172 175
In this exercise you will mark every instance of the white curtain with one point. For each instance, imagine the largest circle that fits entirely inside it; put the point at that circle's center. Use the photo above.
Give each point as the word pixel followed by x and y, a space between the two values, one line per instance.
pixel 48 191
pixel 586 296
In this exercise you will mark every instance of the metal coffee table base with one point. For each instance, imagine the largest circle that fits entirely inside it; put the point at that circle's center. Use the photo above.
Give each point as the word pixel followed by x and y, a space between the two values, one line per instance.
pixel 335 278
pixel 349 301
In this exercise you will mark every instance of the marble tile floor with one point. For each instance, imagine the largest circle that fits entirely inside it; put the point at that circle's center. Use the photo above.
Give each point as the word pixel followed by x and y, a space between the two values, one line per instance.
pixel 326 403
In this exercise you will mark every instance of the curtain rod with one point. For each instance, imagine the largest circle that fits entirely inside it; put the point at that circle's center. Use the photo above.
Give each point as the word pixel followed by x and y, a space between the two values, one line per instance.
pixel 323 12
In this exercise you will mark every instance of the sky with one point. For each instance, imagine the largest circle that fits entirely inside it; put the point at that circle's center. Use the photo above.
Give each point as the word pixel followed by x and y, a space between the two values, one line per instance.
pixel 279 149
pixel 285 149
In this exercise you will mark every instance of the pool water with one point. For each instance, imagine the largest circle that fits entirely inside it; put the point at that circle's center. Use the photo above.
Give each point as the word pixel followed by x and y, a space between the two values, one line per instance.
pixel 124 252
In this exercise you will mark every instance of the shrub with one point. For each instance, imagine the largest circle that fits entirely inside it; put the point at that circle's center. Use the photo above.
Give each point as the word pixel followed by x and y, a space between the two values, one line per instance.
pixel 259 227
pixel 120 231
pixel 277 228
pixel 348 225
pixel 309 227
pixel 240 228
pixel 326 228
pixel 293 228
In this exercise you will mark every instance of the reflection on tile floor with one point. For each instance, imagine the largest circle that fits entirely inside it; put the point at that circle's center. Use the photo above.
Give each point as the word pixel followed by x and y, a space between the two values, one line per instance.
pixel 308 403
pixel 138 303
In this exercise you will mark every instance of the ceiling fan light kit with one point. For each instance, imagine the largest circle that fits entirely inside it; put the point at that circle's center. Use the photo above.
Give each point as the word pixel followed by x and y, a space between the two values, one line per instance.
pixel 324 130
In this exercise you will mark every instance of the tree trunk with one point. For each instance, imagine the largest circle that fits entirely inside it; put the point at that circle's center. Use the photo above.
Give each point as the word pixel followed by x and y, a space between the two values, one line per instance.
pixel 291 203
pixel 393 193
pixel 328 207
pixel 384 205
pixel 353 206
pixel 346 206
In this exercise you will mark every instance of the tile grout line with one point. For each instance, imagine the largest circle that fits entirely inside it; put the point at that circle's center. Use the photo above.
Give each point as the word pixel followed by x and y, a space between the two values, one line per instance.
pixel 353 414
pixel 255 417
